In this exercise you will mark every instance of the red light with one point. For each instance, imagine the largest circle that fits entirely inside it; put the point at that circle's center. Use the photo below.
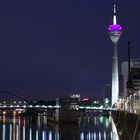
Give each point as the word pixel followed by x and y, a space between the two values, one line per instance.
pixel 85 99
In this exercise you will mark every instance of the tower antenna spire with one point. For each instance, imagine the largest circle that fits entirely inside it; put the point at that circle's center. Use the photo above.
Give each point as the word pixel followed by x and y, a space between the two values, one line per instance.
pixel 114 8
pixel 114 17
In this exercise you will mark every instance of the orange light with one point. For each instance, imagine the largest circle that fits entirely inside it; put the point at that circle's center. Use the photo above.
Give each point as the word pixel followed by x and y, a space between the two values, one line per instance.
pixel 4 112
pixel 14 112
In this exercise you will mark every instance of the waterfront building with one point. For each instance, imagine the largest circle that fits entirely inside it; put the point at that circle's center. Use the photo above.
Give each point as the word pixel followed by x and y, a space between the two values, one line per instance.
pixel 71 102
pixel 114 31
pixel 134 83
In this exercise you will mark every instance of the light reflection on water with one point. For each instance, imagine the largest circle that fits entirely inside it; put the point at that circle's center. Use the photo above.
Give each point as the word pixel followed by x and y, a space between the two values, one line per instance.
pixel 37 128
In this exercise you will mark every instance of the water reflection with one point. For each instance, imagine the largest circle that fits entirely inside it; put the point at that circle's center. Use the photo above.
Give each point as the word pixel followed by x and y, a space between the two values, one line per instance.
pixel 10 136
pixel 104 135
pixel 82 136
pixel 23 132
pixel 4 132
pixel 17 131
pixel 94 136
pixel 36 134
pixel 37 128
pixel 30 134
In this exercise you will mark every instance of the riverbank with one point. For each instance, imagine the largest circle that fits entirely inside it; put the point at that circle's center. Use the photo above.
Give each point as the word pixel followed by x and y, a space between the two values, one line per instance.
pixel 127 124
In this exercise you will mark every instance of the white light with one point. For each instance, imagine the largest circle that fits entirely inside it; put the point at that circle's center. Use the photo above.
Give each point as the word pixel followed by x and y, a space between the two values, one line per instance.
pixel 50 106
pixel 24 106
pixel 89 136
pixel 57 106
pixel 3 134
pixel 30 134
pixel 23 132
pixel 81 107
pixel 94 136
pixel 115 88
pixel 30 106
pixel 111 134
pixel 106 100
pixel 99 135
pixel 87 107
pixel 104 135
pixel 82 136
pixel 50 135
pixel 44 135
pixel 10 132
pixel 114 20
pixel 36 134
pixel 17 132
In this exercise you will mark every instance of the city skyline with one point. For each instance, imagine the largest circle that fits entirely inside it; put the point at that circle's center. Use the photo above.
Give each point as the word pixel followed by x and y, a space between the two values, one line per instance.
pixel 52 49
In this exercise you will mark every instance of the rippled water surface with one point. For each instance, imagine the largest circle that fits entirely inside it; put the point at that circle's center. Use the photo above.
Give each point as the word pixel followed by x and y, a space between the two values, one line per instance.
pixel 37 128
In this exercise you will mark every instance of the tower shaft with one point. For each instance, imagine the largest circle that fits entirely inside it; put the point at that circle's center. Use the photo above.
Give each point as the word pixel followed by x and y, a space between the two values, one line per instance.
pixel 114 36
pixel 115 76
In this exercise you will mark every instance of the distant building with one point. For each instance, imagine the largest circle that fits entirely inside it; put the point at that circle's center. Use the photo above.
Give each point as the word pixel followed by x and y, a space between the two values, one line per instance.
pixel 75 97
pixel 107 93
pixel 71 102
pixel 134 83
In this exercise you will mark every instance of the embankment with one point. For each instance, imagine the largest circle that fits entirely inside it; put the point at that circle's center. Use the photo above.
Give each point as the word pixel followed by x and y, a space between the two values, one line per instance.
pixel 127 124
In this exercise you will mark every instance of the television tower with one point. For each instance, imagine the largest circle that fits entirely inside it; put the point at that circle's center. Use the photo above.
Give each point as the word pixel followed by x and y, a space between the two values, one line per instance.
pixel 114 31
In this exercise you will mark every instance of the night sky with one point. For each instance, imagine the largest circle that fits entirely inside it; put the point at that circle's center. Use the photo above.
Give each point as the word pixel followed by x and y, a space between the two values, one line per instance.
pixel 54 48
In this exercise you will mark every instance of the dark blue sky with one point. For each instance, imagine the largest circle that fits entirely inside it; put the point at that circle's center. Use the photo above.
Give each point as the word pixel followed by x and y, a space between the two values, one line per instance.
pixel 52 48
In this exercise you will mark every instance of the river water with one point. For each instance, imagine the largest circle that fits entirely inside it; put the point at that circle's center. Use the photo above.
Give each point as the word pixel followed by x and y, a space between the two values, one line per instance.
pixel 17 127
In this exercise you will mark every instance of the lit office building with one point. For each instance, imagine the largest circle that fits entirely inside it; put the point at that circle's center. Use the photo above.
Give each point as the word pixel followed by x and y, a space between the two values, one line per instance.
pixel 133 85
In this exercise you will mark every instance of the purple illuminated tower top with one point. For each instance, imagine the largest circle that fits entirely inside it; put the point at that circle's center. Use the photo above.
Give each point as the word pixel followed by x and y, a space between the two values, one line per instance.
pixel 114 26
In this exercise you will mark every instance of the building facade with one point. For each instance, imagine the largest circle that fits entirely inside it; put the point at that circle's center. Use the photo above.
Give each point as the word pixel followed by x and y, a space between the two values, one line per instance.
pixel 134 83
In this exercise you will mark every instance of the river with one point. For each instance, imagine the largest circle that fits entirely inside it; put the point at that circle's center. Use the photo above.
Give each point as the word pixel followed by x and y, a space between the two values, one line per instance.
pixel 18 127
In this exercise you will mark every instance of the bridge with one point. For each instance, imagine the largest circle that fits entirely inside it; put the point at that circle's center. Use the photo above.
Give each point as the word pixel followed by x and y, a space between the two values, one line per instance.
pixel 25 106
pixel 21 103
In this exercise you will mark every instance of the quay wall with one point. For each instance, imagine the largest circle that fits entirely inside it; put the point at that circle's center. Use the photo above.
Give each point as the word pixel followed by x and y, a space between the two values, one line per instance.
pixel 127 124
